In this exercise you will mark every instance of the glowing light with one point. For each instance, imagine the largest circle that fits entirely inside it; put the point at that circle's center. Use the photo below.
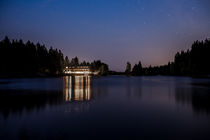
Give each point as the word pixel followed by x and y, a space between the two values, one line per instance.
pixel 80 70
pixel 77 88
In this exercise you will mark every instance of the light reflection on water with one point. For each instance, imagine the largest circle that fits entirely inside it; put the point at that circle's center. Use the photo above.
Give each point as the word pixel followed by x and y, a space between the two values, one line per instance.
pixel 77 88
pixel 74 107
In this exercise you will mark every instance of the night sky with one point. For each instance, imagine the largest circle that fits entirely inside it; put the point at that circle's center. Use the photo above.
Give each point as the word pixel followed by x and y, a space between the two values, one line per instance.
pixel 114 31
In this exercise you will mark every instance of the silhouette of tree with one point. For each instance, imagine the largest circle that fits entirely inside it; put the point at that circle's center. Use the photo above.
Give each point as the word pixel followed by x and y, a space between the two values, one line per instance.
pixel 192 62
pixel 102 68
pixel 195 61
pixel 74 61
pixel 28 59
pixel 67 62
pixel 83 63
pixel 19 59
pixel 128 68
pixel 137 69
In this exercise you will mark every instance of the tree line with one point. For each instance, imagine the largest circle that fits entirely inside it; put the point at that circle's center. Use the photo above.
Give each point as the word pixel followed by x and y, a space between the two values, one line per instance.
pixel 19 59
pixel 193 62
pixel 28 59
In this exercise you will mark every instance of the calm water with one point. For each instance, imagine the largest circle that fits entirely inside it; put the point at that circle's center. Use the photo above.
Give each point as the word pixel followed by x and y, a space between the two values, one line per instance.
pixel 105 107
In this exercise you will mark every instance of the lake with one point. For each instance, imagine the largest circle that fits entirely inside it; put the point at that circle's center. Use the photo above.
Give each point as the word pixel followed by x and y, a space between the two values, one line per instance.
pixel 112 107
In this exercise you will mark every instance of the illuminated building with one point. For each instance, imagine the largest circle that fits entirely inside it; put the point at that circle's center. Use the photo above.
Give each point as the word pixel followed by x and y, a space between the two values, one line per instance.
pixel 79 70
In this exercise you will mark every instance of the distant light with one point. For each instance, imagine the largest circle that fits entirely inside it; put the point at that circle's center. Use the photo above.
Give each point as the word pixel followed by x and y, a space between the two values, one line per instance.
pixel 83 70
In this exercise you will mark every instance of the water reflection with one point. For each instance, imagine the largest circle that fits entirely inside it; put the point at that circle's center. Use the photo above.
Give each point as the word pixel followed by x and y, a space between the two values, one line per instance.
pixel 75 107
pixel 17 101
pixel 197 97
pixel 77 88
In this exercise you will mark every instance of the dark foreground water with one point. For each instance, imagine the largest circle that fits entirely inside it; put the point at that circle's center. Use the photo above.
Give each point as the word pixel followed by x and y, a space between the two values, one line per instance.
pixel 113 107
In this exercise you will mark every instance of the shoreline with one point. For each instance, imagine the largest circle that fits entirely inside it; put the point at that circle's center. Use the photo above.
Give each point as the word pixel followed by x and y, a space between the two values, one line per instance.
pixel 112 74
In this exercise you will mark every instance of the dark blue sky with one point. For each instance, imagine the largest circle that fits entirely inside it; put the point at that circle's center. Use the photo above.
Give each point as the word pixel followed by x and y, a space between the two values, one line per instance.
pixel 115 31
